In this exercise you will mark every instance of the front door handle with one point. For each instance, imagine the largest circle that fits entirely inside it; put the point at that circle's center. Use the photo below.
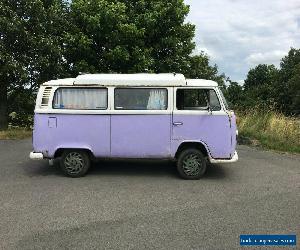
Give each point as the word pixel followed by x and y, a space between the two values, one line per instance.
pixel 177 123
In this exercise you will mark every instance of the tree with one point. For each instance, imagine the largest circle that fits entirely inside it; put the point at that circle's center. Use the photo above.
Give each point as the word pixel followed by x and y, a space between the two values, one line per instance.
pixel 262 74
pixel 129 36
pixel 288 85
pixel 47 39
pixel 235 95
pixel 31 46
pixel 260 84
pixel 267 86
pixel 198 67
pixel 293 85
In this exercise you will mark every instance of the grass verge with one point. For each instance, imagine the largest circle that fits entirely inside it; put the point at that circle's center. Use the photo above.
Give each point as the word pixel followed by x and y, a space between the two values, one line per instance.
pixel 15 133
pixel 270 129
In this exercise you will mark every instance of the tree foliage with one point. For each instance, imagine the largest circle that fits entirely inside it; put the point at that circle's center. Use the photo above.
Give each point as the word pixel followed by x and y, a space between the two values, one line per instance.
pixel 129 36
pixel 198 67
pixel 31 48
pixel 259 85
pixel 288 90
pixel 266 86
pixel 262 74
pixel 234 94
pixel 42 40
pixel 31 41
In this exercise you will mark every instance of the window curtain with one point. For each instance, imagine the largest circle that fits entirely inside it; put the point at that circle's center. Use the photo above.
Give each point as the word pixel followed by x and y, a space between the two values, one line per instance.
pixel 157 99
pixel 80 98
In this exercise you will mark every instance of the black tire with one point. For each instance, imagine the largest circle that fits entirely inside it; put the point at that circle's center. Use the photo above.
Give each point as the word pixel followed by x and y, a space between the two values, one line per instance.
pixel 75 163
pixel 191 164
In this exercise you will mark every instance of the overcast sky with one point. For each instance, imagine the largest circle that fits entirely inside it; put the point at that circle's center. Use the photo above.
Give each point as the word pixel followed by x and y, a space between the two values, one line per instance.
pixel 239 34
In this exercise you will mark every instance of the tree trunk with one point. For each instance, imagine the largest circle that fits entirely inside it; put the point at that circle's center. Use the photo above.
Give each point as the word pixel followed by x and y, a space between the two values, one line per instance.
pixel 3 107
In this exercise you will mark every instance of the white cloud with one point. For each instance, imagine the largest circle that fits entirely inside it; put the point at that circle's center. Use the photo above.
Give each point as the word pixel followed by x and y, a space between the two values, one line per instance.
pixel 239 34
pixel 240 82
pixel 269 57
pixel 213 55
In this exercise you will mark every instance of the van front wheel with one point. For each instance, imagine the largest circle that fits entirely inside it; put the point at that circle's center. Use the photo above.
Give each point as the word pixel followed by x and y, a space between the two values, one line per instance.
pixel 191 164
pixel 75 163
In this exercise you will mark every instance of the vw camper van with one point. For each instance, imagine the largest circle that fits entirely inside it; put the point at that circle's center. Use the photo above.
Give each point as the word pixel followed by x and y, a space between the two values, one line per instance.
pixel 134 116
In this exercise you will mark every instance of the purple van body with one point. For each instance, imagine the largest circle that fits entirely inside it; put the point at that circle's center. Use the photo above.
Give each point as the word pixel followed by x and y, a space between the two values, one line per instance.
pixel 134 136
pixel 119 133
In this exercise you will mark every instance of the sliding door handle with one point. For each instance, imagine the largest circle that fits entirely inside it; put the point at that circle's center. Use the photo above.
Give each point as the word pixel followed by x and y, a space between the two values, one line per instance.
pixel 177 123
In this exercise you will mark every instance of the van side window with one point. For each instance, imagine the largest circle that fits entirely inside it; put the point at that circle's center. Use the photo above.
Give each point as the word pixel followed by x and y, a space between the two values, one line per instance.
pixel 141 99
pixel 197 99
pixel 80 98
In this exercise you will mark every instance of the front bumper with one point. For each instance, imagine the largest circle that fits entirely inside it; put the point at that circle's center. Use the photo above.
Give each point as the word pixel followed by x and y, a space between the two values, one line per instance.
pixel 234 158
pixel 36 156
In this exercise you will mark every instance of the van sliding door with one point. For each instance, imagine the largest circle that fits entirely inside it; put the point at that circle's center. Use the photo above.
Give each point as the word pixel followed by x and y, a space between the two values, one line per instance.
pixel 140 123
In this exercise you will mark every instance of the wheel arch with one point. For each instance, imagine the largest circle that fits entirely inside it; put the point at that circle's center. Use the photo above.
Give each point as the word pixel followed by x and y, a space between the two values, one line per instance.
pixel 193 144
pixel 59 151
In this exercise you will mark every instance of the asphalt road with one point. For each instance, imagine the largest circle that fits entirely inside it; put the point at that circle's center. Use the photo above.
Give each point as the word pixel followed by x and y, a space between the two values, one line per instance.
pixel 144 205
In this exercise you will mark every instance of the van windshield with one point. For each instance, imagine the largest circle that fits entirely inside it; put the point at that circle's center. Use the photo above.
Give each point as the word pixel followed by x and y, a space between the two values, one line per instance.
pixel 224 100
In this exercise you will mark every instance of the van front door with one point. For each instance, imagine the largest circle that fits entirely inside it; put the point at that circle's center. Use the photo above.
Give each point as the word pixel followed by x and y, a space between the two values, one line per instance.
pixel 198 117
pixel 140 123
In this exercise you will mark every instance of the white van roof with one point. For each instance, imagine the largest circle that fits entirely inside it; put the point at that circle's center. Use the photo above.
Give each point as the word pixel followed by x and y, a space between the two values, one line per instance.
pixel 142 79
pixel 201 82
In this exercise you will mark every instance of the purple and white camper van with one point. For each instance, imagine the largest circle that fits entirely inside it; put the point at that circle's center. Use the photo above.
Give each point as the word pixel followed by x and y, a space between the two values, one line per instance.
pixel 161 116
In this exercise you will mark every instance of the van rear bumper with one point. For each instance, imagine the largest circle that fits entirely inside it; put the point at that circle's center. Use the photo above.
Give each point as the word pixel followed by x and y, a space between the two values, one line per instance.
pixel 234 158
pixel 36 156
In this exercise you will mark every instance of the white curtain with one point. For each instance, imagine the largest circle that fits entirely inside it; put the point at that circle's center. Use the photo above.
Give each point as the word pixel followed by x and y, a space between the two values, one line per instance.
pixel 71 98
pixel 157 99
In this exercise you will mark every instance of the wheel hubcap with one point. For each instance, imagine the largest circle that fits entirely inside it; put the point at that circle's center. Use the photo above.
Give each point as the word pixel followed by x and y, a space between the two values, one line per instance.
pixel 192 165
pixel 74 163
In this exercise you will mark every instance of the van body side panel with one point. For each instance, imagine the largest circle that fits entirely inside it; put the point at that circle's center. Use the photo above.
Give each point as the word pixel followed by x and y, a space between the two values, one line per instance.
pixel 54 131
pixel 141 136
pixel 233 133
pixel 211 130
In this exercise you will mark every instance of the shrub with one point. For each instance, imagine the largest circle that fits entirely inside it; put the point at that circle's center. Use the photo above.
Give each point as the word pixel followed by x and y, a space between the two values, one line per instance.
pixel 272 129
pixel 20 120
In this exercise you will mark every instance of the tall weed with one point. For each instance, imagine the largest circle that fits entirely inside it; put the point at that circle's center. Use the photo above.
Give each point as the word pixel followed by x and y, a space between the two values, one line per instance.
pixel 272 129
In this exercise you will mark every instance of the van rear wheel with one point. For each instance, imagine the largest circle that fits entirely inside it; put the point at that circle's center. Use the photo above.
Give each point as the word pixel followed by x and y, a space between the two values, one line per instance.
pixel 75 163
pixel 191 164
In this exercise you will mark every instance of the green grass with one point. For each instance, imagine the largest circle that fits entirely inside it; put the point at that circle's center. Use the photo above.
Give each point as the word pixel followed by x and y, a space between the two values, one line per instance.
pixel 271 129
pixel 15 133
